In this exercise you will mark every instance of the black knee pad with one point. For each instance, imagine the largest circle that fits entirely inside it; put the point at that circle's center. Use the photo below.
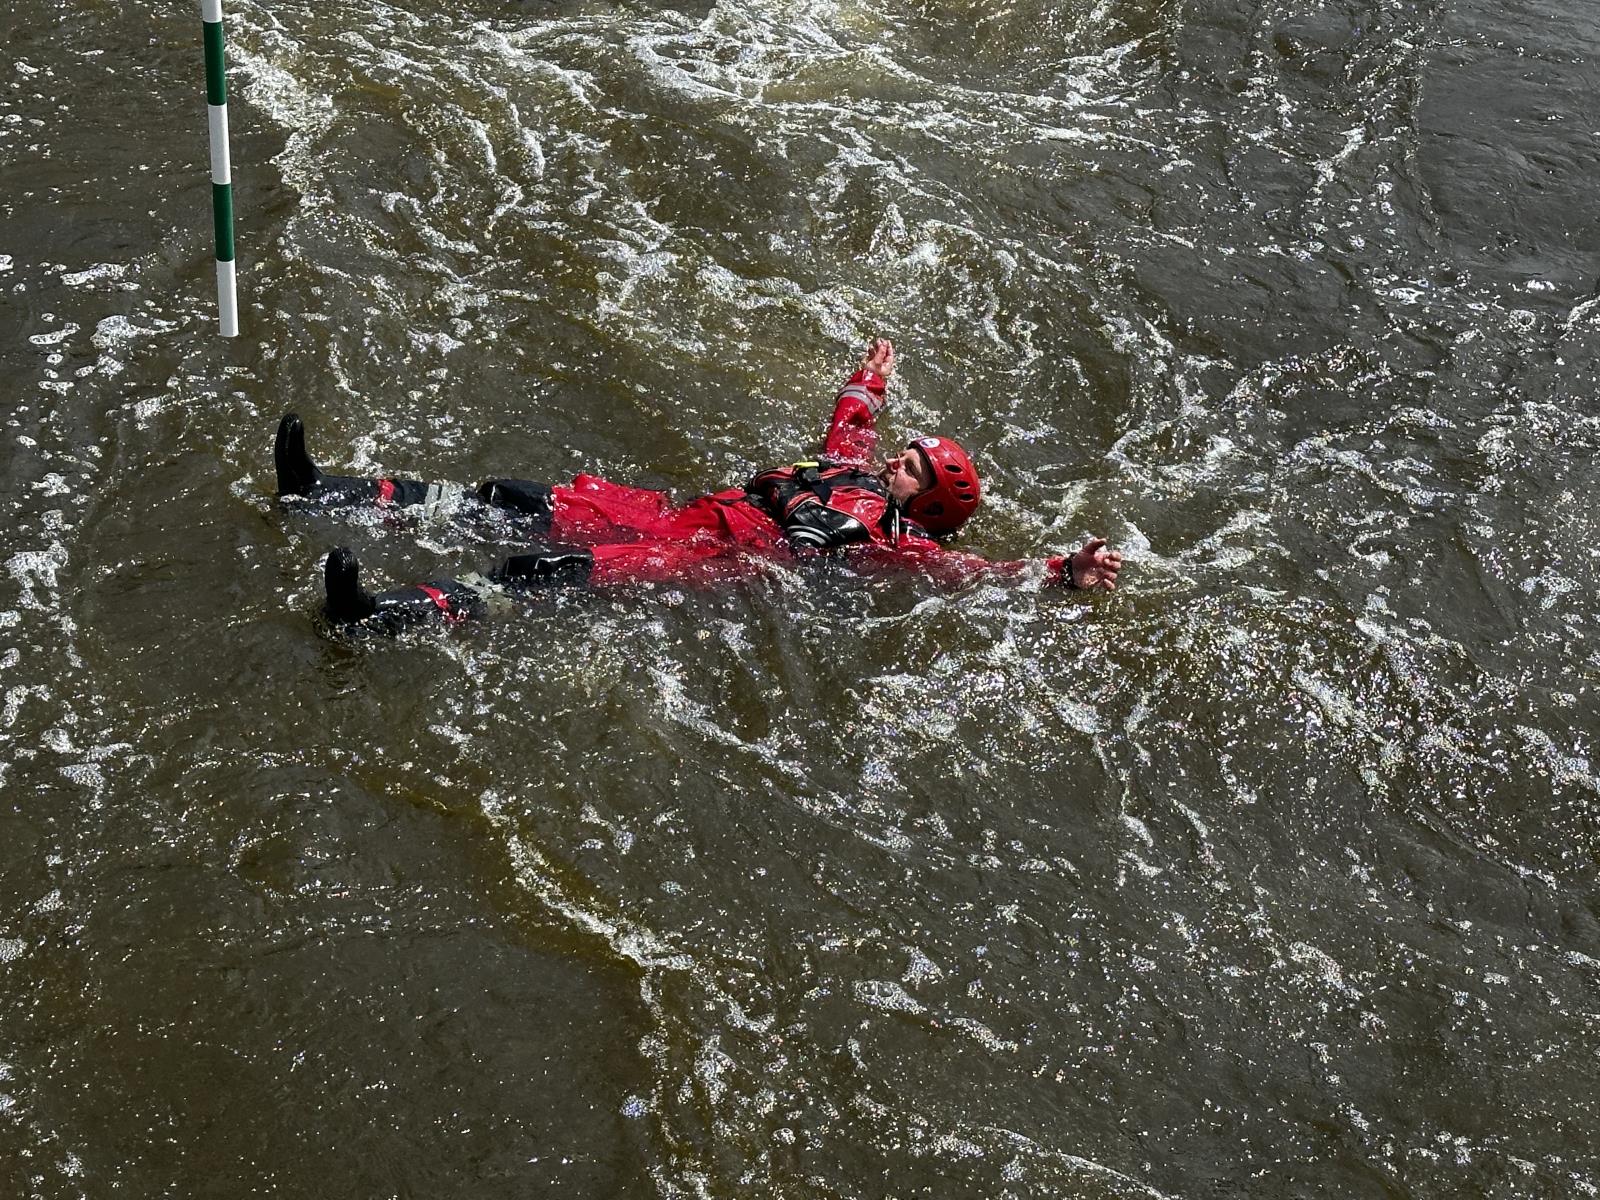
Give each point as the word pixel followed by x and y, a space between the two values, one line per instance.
pixel 334 491
pixel 532 500
pixel 545 568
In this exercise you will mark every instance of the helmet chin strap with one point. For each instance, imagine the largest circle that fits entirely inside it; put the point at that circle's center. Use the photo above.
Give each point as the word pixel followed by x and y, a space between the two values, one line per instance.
pixel 894 521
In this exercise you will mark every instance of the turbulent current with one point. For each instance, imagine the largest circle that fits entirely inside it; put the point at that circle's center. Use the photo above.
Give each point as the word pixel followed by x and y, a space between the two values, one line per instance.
pixel 1273 874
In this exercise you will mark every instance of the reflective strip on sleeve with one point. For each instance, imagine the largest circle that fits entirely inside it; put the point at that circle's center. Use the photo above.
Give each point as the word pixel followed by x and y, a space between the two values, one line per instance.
pixel 865 395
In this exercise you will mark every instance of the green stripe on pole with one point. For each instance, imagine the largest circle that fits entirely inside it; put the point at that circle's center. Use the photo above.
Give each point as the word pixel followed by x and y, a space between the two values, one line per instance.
pixel 221 169
pixel 222 215
pixel 216 74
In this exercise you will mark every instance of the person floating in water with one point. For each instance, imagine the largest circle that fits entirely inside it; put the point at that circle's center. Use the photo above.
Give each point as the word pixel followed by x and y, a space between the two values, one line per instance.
pixel 609 533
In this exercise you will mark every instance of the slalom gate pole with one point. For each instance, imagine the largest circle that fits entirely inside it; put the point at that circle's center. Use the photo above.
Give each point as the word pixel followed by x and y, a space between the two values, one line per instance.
pixel 221 167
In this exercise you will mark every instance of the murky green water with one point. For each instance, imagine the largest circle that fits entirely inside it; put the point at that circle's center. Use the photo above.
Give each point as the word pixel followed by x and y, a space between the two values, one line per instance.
pixel 1273 875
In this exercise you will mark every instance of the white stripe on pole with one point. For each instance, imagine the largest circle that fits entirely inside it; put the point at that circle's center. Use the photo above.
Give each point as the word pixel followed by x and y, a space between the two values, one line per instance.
pixel 221 165
pixel 227 300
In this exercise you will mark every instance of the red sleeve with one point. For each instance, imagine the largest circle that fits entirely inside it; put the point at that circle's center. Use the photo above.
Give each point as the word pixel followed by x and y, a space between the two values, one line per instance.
pixel 853 434
pixel 952 568
pixel 708 563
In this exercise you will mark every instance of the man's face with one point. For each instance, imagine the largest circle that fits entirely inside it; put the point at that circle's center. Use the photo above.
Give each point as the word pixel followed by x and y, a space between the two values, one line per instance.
pixel 906 474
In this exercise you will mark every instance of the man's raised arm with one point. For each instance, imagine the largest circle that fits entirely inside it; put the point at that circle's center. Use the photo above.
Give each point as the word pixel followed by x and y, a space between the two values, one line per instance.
pixel 853 434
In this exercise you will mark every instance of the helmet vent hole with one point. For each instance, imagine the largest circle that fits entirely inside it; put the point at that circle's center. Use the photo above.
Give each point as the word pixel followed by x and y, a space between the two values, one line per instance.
pixel 952 468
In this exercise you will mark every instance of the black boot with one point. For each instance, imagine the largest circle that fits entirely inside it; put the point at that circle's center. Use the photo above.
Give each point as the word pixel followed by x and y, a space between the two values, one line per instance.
pixel 298 475
pixel 353 608
pixel 347 601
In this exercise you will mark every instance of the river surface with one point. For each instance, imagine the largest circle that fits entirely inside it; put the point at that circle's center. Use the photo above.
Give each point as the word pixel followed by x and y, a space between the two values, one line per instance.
pixel 1272 875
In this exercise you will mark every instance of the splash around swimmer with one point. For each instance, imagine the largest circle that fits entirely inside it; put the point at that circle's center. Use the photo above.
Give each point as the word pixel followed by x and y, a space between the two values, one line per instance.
pixel 597 533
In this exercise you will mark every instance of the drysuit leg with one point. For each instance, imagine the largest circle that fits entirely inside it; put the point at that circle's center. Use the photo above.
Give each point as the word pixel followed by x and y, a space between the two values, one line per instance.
pixel 355 609
pixel 299 475
pixel 700 563
pixel 351 606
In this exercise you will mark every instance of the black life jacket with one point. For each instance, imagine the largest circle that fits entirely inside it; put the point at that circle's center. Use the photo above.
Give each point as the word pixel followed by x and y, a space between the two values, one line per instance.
pixel 823 505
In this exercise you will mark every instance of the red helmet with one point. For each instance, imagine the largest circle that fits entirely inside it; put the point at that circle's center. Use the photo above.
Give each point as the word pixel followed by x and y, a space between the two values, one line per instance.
pixel 945 507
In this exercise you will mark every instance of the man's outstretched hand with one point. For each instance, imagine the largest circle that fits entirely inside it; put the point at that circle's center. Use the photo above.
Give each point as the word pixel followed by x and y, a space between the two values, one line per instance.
pixel 879 358
pixel 1094 568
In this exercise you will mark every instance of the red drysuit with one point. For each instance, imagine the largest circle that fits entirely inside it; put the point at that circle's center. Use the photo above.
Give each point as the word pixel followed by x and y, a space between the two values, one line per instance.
pixel 638 534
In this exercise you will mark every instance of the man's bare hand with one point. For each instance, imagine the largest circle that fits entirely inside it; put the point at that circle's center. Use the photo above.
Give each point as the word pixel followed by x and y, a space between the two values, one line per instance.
pixel 879 358
pixel 1094 568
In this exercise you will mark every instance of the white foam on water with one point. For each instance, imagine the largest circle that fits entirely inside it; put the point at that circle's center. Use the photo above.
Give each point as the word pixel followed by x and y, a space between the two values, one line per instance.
pixel 437 342
pixel 1338 707
pixel 921 969
pixel 710 1065
pixel 533 50
pixel 950 1146
pixel 983 1035
pixel 887 995
pixel 1579 313
pixel 297 107
pixel 1564 767
pixel 1139 829
pixel 675 702
pixel 89 776
pixel 1327 170
pixel 1324 967
pixel 94 274
pixel 55 336
pixel 16 697
pixel 115 336
pixel 672 76
pixel 35 571
pixel 1126 1184
pixel 534 871
pixel 1077 714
